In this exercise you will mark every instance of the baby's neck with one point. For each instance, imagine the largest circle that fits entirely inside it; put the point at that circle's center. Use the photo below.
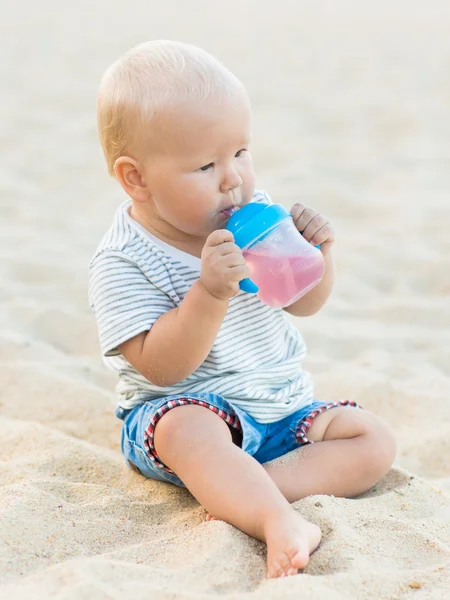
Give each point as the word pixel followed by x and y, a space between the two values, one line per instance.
pixel 168 234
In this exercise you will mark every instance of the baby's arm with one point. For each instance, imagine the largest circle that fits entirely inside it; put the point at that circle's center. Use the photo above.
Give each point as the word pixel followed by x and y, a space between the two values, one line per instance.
pixel 316 229
pixel 181 339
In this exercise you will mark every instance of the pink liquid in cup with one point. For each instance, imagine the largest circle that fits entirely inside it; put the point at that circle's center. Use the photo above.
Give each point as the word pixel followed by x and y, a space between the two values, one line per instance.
pixel 283 279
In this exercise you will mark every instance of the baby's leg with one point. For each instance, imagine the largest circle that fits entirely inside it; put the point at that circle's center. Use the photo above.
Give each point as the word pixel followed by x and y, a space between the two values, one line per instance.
pixel 196 444
pixel 353 450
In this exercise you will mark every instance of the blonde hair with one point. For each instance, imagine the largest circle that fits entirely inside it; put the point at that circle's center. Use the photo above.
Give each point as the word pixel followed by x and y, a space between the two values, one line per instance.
pixel 148 78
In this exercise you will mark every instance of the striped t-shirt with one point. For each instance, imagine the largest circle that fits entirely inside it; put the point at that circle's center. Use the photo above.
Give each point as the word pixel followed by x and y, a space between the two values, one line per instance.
pixel 255 362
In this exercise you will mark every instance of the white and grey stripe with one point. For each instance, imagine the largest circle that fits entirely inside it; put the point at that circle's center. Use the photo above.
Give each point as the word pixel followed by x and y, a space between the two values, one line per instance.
pixel 255 362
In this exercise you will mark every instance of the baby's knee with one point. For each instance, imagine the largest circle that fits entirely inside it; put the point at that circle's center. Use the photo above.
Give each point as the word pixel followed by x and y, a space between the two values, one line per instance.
pixel 381 446
pixel 187 428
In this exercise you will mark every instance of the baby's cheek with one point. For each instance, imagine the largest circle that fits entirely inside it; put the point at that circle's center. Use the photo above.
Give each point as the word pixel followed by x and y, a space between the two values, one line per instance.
pixel 249 180
pixel 249 194
pixel 248 188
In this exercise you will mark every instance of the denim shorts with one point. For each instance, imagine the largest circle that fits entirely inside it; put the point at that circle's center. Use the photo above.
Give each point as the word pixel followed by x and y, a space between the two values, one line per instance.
pixel 263 441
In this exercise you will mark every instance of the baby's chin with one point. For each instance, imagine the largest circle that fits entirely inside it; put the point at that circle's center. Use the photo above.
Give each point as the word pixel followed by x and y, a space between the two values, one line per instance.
pixel 220 223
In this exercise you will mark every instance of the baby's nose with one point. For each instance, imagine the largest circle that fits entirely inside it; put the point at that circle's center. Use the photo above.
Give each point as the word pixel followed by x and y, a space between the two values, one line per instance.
pixel 231 181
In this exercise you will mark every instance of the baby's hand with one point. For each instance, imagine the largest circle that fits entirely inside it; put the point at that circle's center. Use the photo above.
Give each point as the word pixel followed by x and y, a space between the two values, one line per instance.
pixel 313 226
pixel 223 265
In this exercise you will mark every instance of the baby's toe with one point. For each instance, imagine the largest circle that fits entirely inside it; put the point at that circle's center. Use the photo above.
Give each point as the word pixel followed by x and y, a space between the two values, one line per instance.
pixel 209 517
pixel 299 558
pixel 280 566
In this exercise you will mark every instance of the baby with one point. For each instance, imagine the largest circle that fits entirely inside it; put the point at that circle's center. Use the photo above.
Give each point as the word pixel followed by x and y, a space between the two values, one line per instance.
pixel 211 390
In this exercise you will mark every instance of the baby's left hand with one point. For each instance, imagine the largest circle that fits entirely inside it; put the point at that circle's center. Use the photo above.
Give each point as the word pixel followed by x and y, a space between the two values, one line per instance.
pixel 314 227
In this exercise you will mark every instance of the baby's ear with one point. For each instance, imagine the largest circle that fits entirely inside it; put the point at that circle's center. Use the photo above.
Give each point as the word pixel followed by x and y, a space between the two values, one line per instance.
pixel 128 172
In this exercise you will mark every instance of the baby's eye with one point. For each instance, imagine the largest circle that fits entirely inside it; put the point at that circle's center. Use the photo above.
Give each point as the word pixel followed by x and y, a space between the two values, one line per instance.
pixel 207 167
pixel 239 152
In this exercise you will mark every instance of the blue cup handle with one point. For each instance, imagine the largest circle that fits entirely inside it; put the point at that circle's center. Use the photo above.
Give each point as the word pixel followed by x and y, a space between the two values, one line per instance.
pixel 248 286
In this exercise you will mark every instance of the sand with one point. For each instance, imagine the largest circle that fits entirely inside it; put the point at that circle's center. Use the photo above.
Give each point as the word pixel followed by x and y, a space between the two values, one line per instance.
pixel 351 104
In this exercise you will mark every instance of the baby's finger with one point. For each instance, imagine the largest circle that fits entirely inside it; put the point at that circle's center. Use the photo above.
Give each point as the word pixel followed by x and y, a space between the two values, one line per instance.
pixel 324 234
pixel 313 227
pixel 227 248
pixel 304 219
pixel 234 259
pixel 239 272
pixel 219 237
pixel 297 210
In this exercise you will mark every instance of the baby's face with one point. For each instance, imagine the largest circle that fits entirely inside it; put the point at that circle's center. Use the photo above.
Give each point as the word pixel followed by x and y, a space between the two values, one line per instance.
pixel 203 168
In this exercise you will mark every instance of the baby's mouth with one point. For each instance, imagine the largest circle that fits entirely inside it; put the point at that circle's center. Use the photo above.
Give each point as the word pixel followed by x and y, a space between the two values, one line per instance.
pixel 229 211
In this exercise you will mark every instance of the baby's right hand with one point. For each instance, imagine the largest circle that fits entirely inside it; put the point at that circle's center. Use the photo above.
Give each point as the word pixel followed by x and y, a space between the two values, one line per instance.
pixel 223 265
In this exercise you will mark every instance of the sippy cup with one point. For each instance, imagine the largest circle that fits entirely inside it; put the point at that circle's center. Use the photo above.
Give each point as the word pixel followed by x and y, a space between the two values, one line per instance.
pixel 283 264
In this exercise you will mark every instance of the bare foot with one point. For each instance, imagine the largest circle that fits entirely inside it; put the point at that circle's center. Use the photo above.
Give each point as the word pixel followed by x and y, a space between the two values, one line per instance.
pixel 290 541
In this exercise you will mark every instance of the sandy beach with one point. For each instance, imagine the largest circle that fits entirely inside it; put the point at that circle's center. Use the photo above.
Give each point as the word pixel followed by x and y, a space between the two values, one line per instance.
pixel 351 116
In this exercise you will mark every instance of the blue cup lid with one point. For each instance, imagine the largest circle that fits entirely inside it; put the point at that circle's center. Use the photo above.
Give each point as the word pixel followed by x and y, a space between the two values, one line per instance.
pixel 254 221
